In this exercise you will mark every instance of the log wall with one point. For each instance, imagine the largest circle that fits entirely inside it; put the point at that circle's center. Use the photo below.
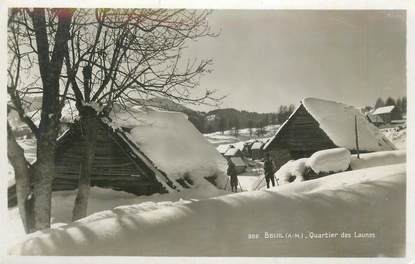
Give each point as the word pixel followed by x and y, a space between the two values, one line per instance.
pixel 113 167
pixel 299 138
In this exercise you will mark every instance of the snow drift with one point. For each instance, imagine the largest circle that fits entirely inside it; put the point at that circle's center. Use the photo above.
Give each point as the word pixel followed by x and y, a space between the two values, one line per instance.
pixel 370 201
pixel 173 144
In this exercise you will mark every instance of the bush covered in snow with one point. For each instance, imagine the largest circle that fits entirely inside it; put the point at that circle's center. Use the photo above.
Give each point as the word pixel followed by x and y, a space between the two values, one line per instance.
pixel 329 160
pixel 326 162
pixel 291 171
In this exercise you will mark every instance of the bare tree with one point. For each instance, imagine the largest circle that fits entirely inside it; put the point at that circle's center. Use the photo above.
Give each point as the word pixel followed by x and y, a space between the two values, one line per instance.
pixel 236 127
pixel 251 127
pixel 36 41
pixel 125 56
pixel 222 125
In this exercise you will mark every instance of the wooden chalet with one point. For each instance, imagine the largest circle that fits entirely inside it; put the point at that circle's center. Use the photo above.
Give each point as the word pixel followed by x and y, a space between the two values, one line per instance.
pixel 320 124
pixel 257 151
pixel 136 152
pixel 240 165
pixel 246 150
pixel 119 164
pixel 223 148
pixel 388 113
pixel 233 152
pixel 375 119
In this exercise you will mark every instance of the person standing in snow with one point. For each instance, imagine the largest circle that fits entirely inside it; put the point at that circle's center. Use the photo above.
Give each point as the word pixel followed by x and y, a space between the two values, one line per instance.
pixel 269 170
pixel 233 175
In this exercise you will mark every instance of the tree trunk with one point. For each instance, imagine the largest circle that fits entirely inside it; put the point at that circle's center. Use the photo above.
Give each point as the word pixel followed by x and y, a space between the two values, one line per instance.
pixel 50 66
pixel 16 157
pixel 89 122
pixel 43 175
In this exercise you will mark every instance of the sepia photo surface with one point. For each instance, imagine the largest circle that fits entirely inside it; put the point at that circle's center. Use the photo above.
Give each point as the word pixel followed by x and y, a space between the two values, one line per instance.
pixel 206 132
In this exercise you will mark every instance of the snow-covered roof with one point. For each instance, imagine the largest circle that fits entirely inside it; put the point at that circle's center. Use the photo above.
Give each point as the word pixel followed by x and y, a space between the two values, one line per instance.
pixel 337 121
pixel 232 152
pixel 265 140
pixel 170 141
pixel 239 145
pixel 257 145
pixel 383 110
pixel 238 161
pixel 223 148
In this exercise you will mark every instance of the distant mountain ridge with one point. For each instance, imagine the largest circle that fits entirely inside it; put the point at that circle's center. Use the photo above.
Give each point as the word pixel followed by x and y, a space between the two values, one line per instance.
pixel 205 122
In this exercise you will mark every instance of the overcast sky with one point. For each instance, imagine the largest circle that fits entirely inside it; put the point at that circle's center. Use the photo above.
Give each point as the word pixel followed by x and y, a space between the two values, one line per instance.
pixel 266 58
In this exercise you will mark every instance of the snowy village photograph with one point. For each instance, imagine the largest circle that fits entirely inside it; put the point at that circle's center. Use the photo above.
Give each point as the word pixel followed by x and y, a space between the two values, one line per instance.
pixel 206 133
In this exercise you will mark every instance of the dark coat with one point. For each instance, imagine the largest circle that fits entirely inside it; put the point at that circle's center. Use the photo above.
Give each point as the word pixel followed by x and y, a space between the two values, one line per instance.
pixel 231 169
pixel 268 168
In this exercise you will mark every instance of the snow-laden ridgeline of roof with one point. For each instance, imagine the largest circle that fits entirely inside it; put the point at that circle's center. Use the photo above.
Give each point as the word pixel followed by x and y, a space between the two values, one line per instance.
pixel 383 110
pixel 344 202
pixel 337 121
pixel 171 142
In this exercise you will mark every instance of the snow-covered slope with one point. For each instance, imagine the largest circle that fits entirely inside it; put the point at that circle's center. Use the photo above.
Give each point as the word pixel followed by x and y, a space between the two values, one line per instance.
pixel 369 202
pixel 337 121
pixel 173 144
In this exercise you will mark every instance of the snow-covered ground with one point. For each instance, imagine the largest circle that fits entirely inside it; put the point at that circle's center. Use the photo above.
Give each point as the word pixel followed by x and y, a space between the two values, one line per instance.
pixel 331 160
pixel 254 170
pixel 396 135
pixel 103 199
pixel 355 213
pixel 217 138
